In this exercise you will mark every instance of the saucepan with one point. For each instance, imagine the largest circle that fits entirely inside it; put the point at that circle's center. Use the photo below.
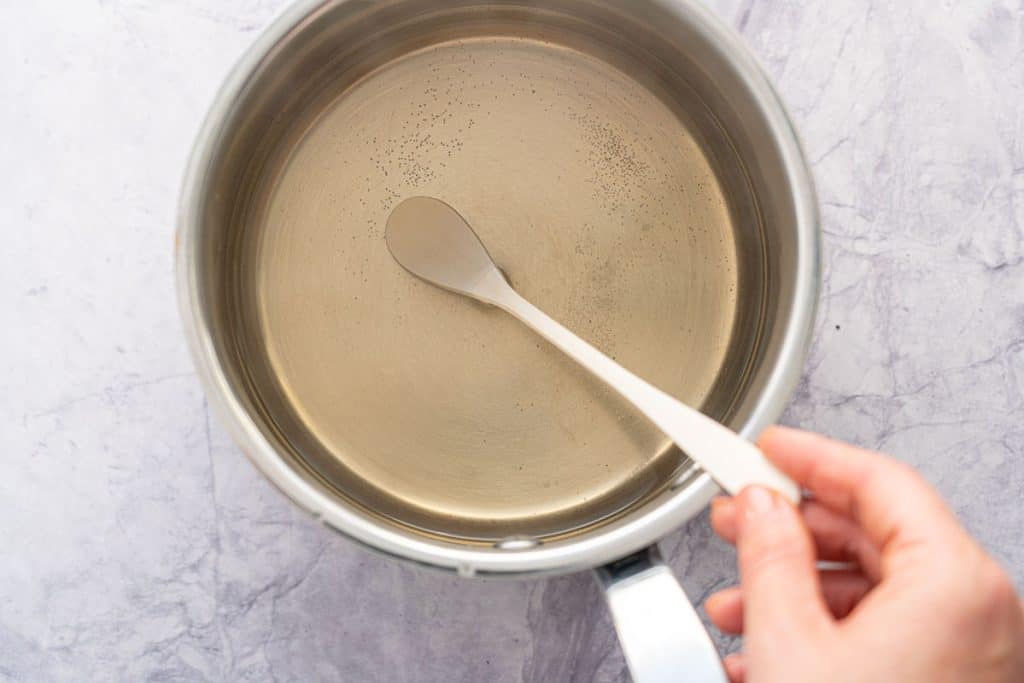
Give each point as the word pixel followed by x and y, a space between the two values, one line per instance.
pixel 632 172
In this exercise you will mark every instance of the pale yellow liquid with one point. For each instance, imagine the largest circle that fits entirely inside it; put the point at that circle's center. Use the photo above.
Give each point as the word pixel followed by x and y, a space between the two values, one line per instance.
pixel 594 199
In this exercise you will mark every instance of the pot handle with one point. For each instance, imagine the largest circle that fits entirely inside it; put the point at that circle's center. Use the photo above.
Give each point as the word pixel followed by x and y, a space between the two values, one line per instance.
pixel 659 629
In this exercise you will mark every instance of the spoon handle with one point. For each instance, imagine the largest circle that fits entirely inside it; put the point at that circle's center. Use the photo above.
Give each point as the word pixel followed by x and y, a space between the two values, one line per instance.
pixel 732 461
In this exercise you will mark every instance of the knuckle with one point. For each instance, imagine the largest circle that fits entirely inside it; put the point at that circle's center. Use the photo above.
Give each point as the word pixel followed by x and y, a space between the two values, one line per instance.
pixel 983 596
pixel 906 472
pixel 904 469
pixel 995 588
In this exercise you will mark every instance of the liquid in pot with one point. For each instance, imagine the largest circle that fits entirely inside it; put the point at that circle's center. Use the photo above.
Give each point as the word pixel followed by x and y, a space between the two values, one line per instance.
pixel 600 206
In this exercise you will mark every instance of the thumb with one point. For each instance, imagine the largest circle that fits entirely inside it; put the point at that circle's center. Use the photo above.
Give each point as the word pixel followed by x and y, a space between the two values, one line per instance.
pixel 782 600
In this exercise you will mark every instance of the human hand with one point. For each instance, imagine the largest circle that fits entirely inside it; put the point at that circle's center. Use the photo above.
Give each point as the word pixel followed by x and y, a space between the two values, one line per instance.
pixel 926 604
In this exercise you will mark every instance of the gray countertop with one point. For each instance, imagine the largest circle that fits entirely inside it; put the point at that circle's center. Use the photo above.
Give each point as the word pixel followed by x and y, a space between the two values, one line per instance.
pixel 139 544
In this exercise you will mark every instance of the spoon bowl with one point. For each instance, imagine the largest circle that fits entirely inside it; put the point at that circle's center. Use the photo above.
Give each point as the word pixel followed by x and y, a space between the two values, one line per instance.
pixel 433 242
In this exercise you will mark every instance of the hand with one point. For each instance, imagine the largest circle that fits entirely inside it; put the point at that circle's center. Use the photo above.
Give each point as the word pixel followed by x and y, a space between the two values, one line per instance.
pixel 926 604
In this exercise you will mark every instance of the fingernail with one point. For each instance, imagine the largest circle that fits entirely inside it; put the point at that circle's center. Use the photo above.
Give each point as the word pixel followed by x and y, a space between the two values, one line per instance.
pixel 721 502
pixel 759 501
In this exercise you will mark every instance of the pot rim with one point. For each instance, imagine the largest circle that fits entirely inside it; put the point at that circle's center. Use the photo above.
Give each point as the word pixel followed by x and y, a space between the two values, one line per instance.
pixel 600 546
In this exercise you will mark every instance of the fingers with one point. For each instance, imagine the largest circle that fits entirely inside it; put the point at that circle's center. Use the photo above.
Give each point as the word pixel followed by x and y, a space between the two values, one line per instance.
pixel 842 591
pixel 780 585
pixel 735 668
pixel 894 506
pixel 836 538
pixel 839 539
pixel 723 518
pixel 725 610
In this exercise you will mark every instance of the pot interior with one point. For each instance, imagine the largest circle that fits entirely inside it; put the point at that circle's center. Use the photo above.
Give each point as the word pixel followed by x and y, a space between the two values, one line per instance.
pixel 615 177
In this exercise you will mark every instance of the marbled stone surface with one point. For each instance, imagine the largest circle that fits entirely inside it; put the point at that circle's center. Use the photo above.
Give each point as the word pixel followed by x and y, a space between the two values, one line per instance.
pixel 139 544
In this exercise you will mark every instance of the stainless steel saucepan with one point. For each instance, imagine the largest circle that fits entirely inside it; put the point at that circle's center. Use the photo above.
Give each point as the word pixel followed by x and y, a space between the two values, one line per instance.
pixel 632 172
